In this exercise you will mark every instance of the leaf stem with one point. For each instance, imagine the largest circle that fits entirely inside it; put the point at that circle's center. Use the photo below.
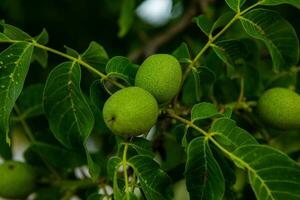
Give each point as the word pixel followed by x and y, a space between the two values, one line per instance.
pixel 173 115
pixel 232 156
pixel 78 60
pixel 24 124
pixel 214 38
pixel 241 96
pixel 32 139
pixel 124 162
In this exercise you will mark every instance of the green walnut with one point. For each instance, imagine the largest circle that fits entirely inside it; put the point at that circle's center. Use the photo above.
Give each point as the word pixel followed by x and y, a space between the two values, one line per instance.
pixel 130 111
pixel 17 180
pixel 161 75
pixel 280 108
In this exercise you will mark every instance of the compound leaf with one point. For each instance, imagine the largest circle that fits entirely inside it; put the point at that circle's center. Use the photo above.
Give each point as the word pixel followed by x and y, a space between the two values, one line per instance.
pixel 272 174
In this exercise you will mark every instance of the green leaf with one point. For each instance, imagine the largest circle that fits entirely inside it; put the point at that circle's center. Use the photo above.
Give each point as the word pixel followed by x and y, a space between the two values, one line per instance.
pixel 70 117
pixel 30 102
pixel 4 38
pixel 228 171
pixel 126 17
pixel 14 65
pixel 14 33
pixel 203 111
pixel 42 38
pixel 5 150
pixel 98 96
pixel 272 174
pixel 142 146
pixel 277 34
pixel 41 55
pixel 154 182
pixel 121 67
pixel 72 52
pixel 295 3
pixel 232 53
pixel 222 21
pixel 95 55
pixel 287 142
pixel 94 168
pixel 235 4
pixel 204 24
pixel 230 135
pixel 197 83
pixel 57 156
pixel 204 178
pixel 182 53
pixel 113 166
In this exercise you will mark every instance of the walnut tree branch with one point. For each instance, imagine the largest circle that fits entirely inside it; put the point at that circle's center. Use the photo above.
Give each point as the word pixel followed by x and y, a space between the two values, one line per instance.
pixel 162 38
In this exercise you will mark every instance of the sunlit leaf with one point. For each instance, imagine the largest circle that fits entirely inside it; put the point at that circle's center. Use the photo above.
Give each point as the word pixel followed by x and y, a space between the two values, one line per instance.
pixel 14 65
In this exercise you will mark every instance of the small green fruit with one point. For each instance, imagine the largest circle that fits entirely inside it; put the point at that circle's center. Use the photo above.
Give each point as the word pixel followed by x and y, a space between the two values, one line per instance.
pixel 17 180
pixel 161 75
pixel 130 111
pixel 280 108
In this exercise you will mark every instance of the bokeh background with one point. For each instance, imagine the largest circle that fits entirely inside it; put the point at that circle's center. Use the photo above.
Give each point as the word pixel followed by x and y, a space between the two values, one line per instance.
pixel 158 26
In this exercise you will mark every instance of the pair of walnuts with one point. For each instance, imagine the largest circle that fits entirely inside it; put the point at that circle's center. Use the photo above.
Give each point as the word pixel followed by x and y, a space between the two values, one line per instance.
pixel 134 110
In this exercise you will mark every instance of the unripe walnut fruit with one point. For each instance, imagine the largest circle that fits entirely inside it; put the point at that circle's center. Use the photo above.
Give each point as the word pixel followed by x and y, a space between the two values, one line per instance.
pixel 161 75
pixel 280 108
pixel 130 111
pixel 17 180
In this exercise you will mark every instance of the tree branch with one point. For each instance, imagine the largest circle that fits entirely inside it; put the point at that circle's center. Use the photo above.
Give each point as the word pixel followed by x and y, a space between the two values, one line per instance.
pixel 162 38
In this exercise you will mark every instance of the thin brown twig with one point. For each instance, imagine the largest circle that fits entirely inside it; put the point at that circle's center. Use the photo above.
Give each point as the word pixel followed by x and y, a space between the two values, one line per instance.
pixel 162 38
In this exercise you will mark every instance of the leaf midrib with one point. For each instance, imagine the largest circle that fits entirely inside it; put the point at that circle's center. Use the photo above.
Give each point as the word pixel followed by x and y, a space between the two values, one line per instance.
pixel 246 165
pixel 266 37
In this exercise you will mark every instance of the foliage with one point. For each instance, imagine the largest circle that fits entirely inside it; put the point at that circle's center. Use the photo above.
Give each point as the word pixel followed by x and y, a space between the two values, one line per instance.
pixel 206 134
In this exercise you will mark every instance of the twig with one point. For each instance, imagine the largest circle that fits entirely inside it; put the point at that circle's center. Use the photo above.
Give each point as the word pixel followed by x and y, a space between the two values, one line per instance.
pixel 32 139
pixel 157 41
